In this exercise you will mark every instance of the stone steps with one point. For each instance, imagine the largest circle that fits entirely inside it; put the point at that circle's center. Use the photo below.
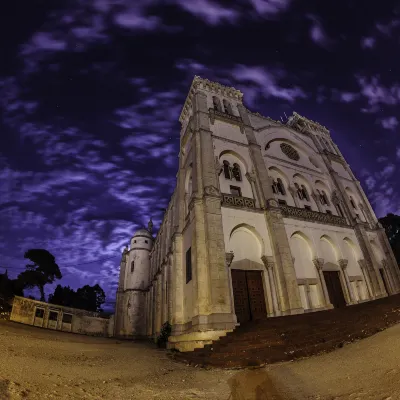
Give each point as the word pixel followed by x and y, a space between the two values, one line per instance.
pixel 288 338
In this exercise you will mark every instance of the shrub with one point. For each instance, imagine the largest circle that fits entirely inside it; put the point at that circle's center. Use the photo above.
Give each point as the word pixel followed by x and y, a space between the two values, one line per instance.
pixel 162 338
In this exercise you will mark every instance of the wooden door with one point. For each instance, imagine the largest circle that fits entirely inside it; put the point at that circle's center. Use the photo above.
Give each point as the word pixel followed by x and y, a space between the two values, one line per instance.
pixel 334 286
pixel 240 295
pixel 256 295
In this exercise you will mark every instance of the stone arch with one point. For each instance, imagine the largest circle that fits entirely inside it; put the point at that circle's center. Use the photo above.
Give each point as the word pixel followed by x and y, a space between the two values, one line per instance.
pixel 242 162
pixel 244 241
pixel 356 251
pixel 279 133
pixel 330 253
pixel 281 174
pixel 377 251
pixel 303 253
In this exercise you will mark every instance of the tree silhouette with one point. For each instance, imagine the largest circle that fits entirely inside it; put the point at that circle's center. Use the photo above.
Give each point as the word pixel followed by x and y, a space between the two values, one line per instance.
pixel 44 270
pixel 391 223
pixel 88 298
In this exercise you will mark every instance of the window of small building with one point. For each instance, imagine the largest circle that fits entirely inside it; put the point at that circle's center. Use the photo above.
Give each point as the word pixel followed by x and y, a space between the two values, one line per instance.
pixel 329 212
pixel 53 316
pixel 189 265
pixel 235 190
pixel 67 318
pixel 146 241
pixel 308 208
pixel 39 313
pixel 282 202
pixel 134 241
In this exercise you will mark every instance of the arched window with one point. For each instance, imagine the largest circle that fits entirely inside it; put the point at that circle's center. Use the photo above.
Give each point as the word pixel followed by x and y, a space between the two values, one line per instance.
pixel 237 174
pixel 217 104
pixel 227 169
pixel 305 193
pixel 300 193
pixel 280 187
pixel 132 266
pixel 227 107
pixel 324 199
pixel 352 203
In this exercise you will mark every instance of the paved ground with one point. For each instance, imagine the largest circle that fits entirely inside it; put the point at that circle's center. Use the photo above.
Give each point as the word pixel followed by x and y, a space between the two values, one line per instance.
pixel 41 364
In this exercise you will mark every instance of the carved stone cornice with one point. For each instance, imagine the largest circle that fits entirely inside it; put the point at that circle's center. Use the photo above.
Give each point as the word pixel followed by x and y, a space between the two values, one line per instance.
pixel 318 262
pixel 343 263
pixel 230 200
pixel 312 216
pixel 229 258
pixel 334 157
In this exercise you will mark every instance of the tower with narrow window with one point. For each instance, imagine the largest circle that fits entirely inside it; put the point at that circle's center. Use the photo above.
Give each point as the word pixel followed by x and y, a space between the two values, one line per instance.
pixel 130 319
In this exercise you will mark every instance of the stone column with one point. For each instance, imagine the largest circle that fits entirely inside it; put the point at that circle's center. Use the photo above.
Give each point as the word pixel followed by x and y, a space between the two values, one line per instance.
pixel 319 263
pixel 286 281
pixel 229 258
pixel 251 178
pixel 389 276
pixel 391 259
pixel 163 293
pixel 271 287
pixel 177 283
pixel 371 263
pixel 308 296
pixel 158 304
pixel 366 278
pixel 317 202
pixel 343 265
pixel 293 192
pixel 169 288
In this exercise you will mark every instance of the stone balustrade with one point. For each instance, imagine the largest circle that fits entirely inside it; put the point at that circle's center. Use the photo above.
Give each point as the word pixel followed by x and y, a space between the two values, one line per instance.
pixel 237 201
pixel 313 216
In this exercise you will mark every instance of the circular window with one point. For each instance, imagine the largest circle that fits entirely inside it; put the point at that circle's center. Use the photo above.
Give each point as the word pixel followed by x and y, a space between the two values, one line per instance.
pixel 290 152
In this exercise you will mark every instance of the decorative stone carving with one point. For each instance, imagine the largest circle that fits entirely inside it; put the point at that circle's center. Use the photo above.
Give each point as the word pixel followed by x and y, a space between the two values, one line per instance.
pixel 124 253
pixel 272 203
pixel 314 216
pixel 232 119
pixel 211 190
pixel 237 201
pixel 229 258
pixel 343 263
pixel 251 176
pixel 302 124
pixel 384 263
pixel 150 226
pixel 319 263
pixel 290 151
pixel 362 263
pixel 268 261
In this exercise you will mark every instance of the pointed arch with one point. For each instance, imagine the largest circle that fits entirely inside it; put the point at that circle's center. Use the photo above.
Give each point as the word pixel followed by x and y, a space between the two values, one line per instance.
pixel 252 230
pixel 237 156
pixel 329 240
pixel 356 251
pixel 305 238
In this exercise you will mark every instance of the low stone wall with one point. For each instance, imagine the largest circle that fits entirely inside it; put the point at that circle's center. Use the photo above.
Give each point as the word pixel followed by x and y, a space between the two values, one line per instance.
pixel 67 319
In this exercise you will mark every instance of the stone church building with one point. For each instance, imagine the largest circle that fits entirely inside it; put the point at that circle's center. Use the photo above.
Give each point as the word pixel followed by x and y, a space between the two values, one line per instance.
pixel 266 219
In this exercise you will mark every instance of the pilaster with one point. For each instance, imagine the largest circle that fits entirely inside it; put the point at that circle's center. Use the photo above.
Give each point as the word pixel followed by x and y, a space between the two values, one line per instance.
pixel 317 202
pixel 177 281
pixel 343 266
pixel 293 192
pixel 285 274
pixel 319 263
pixel 365 272
pixel 269 265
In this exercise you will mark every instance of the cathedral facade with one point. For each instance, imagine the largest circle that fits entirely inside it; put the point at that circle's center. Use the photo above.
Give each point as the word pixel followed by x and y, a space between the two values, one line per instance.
pixel 266 219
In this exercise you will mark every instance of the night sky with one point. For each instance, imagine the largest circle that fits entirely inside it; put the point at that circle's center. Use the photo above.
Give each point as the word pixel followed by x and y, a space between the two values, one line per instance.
pixel 91 91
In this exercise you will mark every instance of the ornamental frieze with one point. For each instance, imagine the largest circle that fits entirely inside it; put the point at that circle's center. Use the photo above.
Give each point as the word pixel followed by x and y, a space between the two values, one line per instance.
pixel 313 216
pixel 237 201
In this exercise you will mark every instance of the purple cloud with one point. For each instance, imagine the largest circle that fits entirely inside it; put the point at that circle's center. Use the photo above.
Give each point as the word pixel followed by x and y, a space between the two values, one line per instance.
pixel 389 123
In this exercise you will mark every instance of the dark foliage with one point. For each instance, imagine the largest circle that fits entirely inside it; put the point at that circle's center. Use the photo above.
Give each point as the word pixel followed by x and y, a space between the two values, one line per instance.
pixel 88 298
pixel 44 270
pixel 8 289
pixel 391 223
pixel 165 332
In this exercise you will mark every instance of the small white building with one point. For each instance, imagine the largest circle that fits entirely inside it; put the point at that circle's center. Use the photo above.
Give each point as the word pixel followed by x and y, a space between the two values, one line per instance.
pixel 267 219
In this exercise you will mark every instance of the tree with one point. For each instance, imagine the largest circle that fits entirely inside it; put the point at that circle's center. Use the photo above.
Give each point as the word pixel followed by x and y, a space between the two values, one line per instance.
pixel 391 223
pixel 44 270
pixel 8 289
pixel 88 298
pixel 63 296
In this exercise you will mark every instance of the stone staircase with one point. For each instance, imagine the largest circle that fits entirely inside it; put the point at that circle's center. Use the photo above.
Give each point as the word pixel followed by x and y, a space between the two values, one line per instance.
pixel 291 337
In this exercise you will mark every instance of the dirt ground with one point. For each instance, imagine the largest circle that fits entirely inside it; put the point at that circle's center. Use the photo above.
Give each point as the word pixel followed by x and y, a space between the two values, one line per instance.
pixel 41 364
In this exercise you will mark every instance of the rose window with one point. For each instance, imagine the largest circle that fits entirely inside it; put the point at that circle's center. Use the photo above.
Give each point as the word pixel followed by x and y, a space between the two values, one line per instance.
pixel 290 151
